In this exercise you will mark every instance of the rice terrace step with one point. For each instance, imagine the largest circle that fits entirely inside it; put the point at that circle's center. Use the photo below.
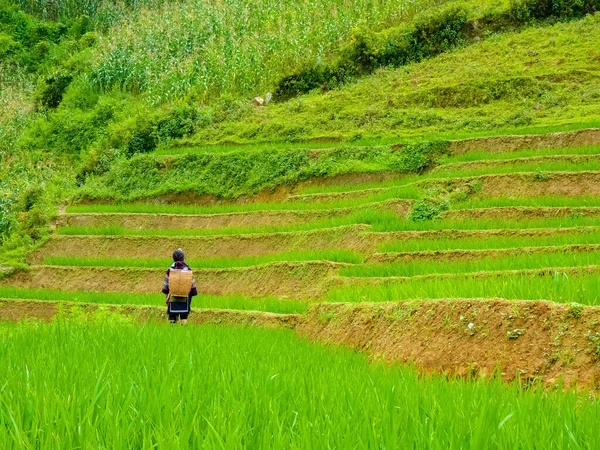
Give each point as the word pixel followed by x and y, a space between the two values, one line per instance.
pixel 391 211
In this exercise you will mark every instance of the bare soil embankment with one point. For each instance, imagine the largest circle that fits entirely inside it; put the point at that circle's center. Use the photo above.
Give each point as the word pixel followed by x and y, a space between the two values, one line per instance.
pixel 450 234
pixel 524 339
pixel 520 212
pixel 493 163
pixel 526 184
pixel 502 144
pixel 139 247
pixel 285 280
pixel 252 219
pixel 17 310
pixel 463 255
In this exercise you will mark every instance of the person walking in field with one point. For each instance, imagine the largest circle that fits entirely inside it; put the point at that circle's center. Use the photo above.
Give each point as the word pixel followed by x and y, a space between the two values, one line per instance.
pixel 179 286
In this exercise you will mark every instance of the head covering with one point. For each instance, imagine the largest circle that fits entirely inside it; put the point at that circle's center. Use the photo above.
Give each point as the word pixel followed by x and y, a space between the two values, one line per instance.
pixel 178 255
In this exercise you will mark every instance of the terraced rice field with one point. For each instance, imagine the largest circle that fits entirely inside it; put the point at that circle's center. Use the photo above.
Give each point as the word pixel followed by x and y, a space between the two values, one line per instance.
pixel 502 285
pixel 520 223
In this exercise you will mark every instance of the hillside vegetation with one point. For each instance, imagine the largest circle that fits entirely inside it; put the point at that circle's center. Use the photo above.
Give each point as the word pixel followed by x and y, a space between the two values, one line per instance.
pixel 423 188
pixel 88 85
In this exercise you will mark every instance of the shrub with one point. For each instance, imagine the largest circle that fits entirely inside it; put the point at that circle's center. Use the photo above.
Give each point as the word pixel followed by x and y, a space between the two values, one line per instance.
pixel 428 209
pixel 419 157
pixel 178 123
pixel 50 94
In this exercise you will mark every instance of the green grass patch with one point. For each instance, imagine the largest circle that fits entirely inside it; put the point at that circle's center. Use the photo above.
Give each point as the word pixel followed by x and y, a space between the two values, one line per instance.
pixel 237 387
pixel 474 91
pixel 268 304
pixel 557 287
pixel 515 262
pixel 575 236
pixel 341 256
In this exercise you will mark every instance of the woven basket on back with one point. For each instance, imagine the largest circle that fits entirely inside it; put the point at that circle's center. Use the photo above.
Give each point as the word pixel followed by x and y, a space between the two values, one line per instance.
pixel 180 282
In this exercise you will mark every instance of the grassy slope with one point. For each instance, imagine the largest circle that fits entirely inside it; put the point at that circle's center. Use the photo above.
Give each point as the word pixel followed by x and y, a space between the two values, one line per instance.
pixel 542 76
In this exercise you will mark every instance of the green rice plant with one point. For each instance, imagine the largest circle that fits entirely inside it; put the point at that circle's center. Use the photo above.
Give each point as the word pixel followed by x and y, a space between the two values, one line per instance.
pixel 382 219
pixel 482 264
pixel 268 304
pixel 576 236
pixel 555 286
pixel 341 256
pixel 103 385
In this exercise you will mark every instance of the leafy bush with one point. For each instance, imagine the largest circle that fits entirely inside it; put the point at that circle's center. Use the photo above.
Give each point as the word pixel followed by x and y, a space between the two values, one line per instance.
pixel 419 157
pixel 51 92
pixel 247 172
pixel 428 209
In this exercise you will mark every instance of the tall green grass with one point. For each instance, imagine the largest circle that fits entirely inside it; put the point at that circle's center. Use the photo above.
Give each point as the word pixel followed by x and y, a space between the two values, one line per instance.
pixel 514 262
pixel 239 302
pixel 105 385
pixel 211 48
pixel 557 287
pixel 575 236
pixel 342 256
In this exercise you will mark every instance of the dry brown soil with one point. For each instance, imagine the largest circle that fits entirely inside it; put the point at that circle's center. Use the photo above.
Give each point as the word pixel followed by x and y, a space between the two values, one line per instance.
pixel 138 247
pixel 285 279
pixel 520 212
pixel 526 339
pixel 215 221
pixel 500 144
pixel 530 184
